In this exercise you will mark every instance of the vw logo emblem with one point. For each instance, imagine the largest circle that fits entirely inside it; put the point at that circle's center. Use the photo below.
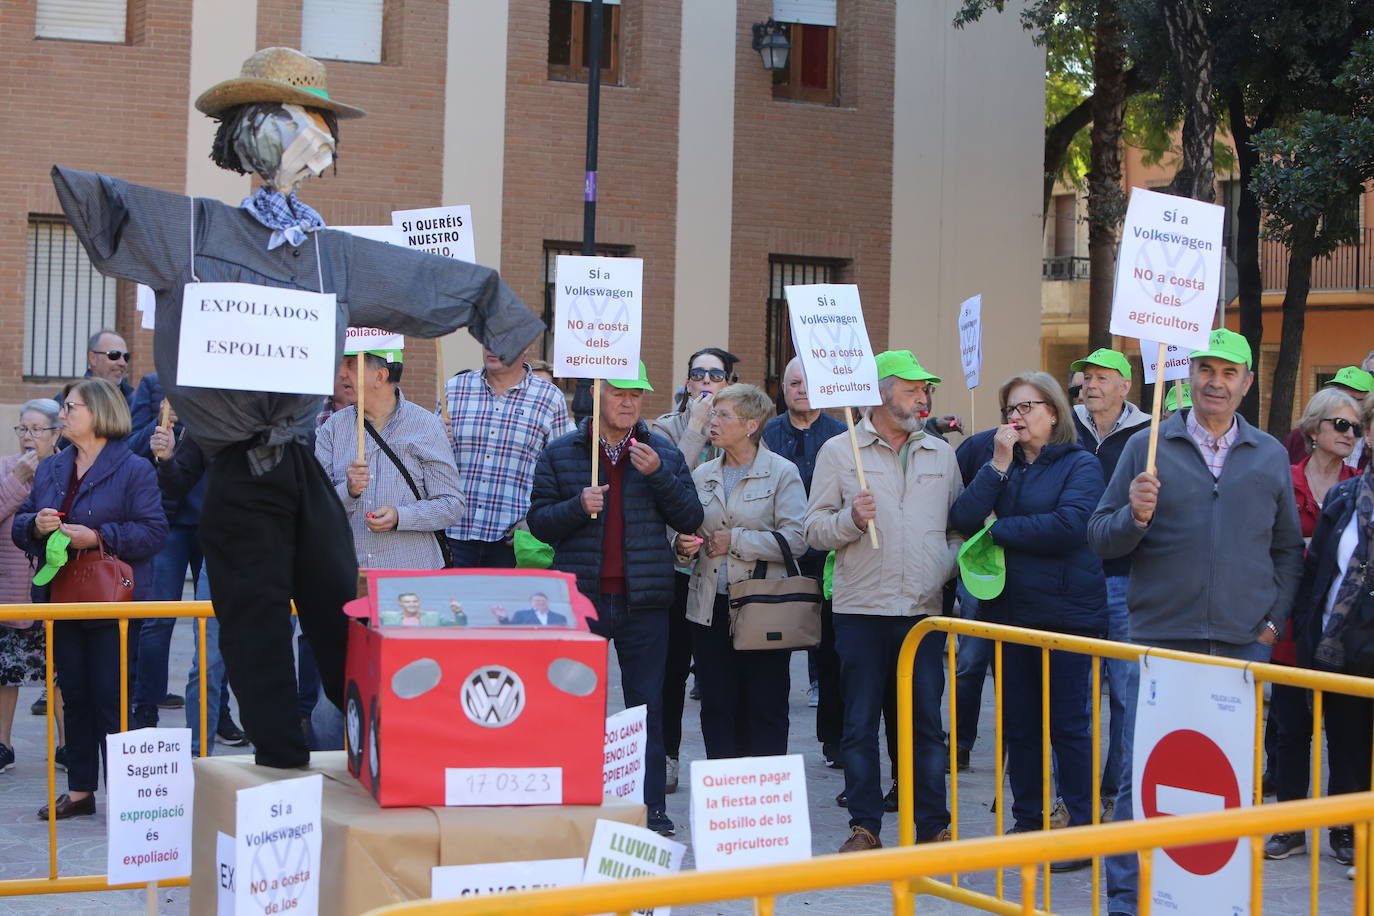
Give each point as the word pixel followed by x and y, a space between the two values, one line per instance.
pixel 493 696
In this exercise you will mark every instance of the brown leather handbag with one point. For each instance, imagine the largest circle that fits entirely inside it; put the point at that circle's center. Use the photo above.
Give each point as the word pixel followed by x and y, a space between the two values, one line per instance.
pixel 93 574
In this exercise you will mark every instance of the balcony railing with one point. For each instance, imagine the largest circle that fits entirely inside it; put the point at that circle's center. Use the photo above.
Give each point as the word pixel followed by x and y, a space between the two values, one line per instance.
pixel 1349 267
pixel 1064 268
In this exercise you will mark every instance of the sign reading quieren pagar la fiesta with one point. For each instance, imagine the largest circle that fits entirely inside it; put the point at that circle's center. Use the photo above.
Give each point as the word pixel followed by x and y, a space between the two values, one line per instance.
pixel 597 317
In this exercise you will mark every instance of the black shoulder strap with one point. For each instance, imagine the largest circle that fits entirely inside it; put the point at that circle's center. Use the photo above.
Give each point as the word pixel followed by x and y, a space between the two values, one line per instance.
pixel 381 444
pixel 789 564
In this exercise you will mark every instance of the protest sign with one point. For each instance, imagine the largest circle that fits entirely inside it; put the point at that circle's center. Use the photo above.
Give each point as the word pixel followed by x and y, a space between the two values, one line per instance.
pixel 277 848
pixel 625 738
pixel 148 824
pixel 370 340
pixel 445 231
pixel 224 874
pixel 1168 272
pixel 620 851
pixel 1194 753
pixel 146 304
pixel 246 337
pixel 749 811
pixel 454 882
pixel 597 317
pixel 1175 361
pixel 971 339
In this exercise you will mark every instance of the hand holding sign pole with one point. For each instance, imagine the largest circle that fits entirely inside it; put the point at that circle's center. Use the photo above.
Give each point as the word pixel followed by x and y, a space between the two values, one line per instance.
pixel 831 339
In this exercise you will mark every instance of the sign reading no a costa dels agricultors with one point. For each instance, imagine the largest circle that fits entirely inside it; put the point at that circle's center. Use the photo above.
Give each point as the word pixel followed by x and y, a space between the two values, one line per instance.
pixel 597 317
pixel 830 336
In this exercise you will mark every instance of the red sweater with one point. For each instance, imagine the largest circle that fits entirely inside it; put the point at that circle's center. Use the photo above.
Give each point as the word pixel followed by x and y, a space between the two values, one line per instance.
pixel 613 525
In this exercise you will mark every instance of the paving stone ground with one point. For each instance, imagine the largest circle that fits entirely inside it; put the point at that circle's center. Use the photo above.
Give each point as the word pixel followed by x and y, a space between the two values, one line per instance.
pixel 81 841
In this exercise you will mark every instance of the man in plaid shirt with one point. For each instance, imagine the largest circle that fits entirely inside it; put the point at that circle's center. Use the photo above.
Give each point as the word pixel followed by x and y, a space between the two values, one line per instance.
pixel 502 417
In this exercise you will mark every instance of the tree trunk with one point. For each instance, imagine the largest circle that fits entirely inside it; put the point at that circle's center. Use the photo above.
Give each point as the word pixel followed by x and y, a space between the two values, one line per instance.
pixel 1106 202
pixel 1185 21
pixel 1058 137
pixel 1290 345
pixel 1247 250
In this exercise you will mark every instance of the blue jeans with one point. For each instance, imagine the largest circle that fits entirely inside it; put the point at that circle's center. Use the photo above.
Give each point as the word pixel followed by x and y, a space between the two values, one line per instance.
pixel 975 656
pixel 641 647
pixel 868 647
pixel 1123 871
pixel 482 554
pixel 1070 732
pixel 179 551
pixel 1123 680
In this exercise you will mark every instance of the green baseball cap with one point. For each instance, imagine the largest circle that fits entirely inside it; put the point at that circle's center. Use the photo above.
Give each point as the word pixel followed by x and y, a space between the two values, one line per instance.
pixel 641 382
pixel 1354 377
pixel 1171 399
pixel 55 557
pixel 1227 345
pixel 1104 358
pixel 903 364
pixel 390 356
pixel 983 565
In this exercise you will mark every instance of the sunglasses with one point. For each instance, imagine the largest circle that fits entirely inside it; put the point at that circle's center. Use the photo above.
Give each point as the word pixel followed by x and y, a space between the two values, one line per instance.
pixel 115 356
pixel 698 375
pixel 1342 425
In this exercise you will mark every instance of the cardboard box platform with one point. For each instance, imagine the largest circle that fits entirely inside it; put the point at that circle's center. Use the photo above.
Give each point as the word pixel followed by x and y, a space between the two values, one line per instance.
pixel 373 856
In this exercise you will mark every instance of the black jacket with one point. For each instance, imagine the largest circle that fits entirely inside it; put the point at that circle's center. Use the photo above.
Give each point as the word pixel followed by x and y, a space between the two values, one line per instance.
pixel 1319 569
pixel 651 505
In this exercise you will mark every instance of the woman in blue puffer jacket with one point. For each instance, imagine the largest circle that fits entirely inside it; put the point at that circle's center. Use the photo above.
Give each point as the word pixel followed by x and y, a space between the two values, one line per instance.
pixel 1042 487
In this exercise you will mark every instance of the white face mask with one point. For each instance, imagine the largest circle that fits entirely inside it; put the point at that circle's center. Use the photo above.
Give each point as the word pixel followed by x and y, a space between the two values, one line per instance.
pixel 285 147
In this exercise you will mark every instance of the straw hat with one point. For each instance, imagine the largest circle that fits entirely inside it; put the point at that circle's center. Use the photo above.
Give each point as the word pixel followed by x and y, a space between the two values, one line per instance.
pixel 276 75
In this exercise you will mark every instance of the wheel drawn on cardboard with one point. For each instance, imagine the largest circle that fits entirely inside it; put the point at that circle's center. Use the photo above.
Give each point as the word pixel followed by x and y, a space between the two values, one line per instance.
pixel 493 696
pixel 353 727
pixel 1187 772
pixel 374 750
pixel 280 872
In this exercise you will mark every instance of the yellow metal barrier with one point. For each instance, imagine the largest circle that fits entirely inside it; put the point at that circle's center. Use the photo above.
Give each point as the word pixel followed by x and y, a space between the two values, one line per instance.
pixel 1319 682
pixel 910 870
pixel 123 613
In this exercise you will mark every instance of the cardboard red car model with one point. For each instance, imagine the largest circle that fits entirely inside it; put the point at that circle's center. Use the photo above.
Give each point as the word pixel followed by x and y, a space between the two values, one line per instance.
pixel 475 687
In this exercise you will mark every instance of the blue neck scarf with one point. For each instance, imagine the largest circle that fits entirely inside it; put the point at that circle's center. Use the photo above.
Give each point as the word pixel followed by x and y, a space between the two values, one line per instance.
pixel 287 217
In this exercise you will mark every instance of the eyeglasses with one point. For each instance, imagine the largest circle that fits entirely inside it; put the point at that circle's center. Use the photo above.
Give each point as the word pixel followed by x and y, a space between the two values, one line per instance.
pixel 698 374
pixel 1022 409
pixel 720 415
pixel 69 406
pixel 1342 425
pixel 115 356
pixel 22 431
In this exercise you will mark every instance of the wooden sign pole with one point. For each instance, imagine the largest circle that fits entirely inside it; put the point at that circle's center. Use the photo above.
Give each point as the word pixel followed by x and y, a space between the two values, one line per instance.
pixel 165 419
pixel 859 469
pixel 358 386
pixel 596 434
pixel 1160 385
pixel 442 379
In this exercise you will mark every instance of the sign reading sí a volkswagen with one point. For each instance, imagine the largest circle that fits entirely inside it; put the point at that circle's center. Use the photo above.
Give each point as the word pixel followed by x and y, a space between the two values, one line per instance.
pixel 597 317
pixel 830 337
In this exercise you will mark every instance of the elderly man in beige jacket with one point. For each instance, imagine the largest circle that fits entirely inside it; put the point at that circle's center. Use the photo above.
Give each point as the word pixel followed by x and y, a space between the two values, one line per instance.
pixel 880 594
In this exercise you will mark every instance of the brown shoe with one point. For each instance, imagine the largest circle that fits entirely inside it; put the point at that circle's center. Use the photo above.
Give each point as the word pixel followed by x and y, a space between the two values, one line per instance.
pixel 67 808
pixel 944 836
pixel 861 839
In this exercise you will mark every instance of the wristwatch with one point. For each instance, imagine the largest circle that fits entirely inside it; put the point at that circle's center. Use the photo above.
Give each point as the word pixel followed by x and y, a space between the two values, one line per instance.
pixel 1273 628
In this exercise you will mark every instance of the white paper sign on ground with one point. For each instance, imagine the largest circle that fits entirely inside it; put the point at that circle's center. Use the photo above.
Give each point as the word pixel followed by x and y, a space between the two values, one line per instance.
pixel 357 340
pixel 621 851
pixel 1175 361
pixel 146 303
pixel 598 318
pixel 749 811
pixel 971 339
pixel 453 882
pixel 224 874
pixel 443 231
pixel 626 731
pixel 1194 752
pixel 1168 270
pixel 829 334
pixel 245 337
pixel 148 821
pixel 277 840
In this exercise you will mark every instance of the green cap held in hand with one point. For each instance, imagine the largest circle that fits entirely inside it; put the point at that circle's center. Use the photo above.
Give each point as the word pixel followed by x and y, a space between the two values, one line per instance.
pixel 55 557
pixel 983 565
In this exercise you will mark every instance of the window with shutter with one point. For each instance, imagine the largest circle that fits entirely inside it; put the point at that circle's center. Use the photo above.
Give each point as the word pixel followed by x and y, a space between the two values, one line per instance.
pixel 810 26
pixel 83 20
pixel 570 40
pixel 66 300
pixel 343 29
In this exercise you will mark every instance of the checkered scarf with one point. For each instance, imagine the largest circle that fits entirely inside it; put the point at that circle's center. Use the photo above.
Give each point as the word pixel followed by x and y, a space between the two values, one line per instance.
pixel 287 217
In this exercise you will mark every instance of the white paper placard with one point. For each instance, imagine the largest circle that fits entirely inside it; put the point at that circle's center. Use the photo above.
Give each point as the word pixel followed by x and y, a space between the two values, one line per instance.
pixel 224 874
pixel 830 337
pixel 971 339
pixel 503 786
pixel 245 337
pixel 597 317
pixel 148 821
pixel 364 339
pixel 1194 752
pixel 389 234
pixel 623 776
pixel 445 231
pixel 277 848
pixel 1175 361
pixel 749 811
pixel 453 882
pixel 146 303
pixel 621 851
pixel 1168 269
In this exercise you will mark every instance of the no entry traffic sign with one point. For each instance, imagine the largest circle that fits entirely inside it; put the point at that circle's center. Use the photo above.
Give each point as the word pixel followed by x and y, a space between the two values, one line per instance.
pixel 1188 773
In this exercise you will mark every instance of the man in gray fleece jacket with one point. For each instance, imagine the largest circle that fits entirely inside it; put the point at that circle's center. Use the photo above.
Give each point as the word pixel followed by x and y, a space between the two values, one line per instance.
pixel 1212 536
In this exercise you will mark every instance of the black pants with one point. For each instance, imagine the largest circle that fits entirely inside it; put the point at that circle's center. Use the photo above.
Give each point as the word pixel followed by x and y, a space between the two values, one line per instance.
pixel 830 705
pixel 86 662
pixel 1348 734
pixel 679 664
pixel 743 694
pixel 268 540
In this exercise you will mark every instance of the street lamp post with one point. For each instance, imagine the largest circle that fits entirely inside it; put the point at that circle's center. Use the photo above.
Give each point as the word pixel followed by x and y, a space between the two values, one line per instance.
pixel 582 395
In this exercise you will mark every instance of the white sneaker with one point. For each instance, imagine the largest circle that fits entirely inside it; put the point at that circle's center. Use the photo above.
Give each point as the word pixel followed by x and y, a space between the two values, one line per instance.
pixel 813 695
pixel 670 783
pixel 1350 873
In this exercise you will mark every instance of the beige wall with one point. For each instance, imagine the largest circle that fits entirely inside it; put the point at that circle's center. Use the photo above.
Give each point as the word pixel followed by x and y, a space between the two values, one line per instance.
pixel 968 113
pixel 223 35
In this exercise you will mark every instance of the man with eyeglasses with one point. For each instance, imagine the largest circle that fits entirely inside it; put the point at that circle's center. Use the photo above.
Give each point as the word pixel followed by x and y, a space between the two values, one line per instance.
pixel 1212 535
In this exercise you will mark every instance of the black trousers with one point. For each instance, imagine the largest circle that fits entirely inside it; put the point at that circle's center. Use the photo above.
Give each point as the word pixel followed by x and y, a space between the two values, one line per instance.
pixel 86 662
pixel 679 664
pixel 268 540
pixel 743 694
pixel 830 707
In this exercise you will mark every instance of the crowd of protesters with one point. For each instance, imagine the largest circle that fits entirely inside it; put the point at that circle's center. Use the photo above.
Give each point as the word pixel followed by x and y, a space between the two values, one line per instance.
pixel 1233 545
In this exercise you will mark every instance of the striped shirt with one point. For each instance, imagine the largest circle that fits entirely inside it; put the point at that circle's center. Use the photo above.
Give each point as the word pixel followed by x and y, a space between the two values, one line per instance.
pixel 417 437
pixel 1214 448
pixel 496 441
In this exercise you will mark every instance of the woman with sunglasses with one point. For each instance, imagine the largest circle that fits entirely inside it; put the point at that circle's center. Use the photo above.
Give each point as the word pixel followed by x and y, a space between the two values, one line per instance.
pixel 1330 426
pixel 21 641
pixel 708 371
